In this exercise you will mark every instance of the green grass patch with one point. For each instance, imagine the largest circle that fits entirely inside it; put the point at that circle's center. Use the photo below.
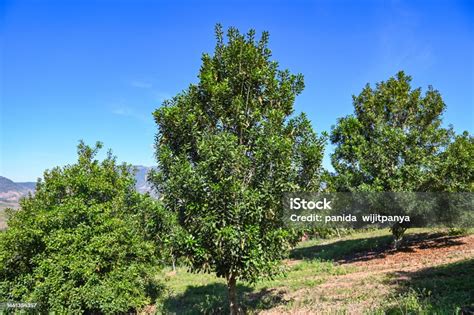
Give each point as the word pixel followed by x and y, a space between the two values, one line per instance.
pixel 336 249
pixel 445 289
pixel 190 293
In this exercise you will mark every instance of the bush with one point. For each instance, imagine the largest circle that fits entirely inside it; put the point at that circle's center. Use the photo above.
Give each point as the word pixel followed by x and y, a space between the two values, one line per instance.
pixel 458 231
pixel 81 243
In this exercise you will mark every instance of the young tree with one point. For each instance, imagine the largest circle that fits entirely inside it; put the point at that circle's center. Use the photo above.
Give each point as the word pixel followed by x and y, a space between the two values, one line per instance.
pixel 227 149
pixel 393 141
pixel 80 244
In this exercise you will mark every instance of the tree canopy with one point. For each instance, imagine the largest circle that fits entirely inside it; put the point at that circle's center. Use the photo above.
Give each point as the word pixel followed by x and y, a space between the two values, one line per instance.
pixel 456 166
pixel 85 242
pixel 393 141
pixel 227 148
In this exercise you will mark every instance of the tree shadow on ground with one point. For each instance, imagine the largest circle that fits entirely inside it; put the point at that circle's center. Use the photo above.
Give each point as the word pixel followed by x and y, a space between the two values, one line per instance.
pixel 212 299
pixel 352 250
pixel 445 289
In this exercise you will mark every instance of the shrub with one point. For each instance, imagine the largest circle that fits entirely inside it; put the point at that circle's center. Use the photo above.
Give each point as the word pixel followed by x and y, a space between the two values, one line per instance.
pixel 80 244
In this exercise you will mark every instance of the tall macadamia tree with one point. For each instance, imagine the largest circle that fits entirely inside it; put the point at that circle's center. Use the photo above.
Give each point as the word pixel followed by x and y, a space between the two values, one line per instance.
pixel 227 148
pixel 393 142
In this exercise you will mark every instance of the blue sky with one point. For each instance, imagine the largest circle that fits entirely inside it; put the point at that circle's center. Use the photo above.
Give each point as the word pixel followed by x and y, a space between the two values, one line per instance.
pixel 95 70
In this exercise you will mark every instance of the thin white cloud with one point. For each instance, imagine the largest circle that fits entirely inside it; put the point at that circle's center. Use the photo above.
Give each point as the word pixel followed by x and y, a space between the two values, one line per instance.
pixel 127 111
pixel 141 84
pixel 122 111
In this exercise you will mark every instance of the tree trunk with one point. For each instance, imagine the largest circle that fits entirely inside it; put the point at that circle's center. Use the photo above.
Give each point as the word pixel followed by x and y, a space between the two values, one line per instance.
pixel 398 231
pixel 232 290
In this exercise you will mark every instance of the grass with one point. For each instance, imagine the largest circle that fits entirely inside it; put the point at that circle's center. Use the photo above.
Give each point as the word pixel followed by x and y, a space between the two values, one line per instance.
pixel 204 293
pixel 348 245
pixel 319 278
pixel 436 290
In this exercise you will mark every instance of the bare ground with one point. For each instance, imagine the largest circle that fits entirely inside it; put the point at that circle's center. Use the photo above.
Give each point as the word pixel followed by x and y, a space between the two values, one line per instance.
pixel 376 275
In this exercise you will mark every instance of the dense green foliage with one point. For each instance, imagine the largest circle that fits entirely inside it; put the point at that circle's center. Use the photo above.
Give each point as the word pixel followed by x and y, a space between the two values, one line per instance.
pixel 227 149
pixel 85 242
pixel 394 142
pixel 456 166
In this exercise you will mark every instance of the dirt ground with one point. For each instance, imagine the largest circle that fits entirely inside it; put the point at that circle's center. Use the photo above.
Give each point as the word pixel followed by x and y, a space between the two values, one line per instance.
pixel 376 273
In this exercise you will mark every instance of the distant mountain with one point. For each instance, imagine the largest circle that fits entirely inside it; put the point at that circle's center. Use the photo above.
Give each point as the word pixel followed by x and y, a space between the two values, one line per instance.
pixel 141 176
pixel 11 192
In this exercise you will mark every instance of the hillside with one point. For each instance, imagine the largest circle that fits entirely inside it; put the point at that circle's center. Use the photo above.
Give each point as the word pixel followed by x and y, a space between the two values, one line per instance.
pixel 142 185
pixel 11 192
